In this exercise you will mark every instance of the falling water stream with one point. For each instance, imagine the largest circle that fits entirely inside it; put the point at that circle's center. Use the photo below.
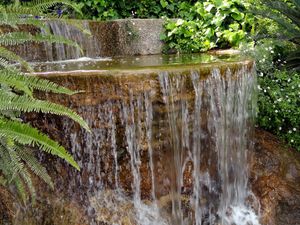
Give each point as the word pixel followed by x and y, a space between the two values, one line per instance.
pixel 57 51
pixel 170 150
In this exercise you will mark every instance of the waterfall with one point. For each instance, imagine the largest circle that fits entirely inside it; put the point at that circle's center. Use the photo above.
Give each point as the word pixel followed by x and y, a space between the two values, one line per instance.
pixel 56 51
pixel 171 151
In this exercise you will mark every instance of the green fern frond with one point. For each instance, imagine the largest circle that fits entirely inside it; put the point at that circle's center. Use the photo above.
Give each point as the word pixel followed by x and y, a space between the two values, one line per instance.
pixel 21 188
pixel 21 170
pixel 8 169
pixel 296 3
pixel 38 7
pixel 43 5
pixel 26 177
pixel 8 78
pixel 15 38
pixel 26 104
pixel 4 63
pixel 16 96
pixel 27 135
pixel 18 80
pixel 277 17
pixel 10 56
pixel 14 20
pixel 21 10
pixel 34 165
pixel 16 163
pixel 292 13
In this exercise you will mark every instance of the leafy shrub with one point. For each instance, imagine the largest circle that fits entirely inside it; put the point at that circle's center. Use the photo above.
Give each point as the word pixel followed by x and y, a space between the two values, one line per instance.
pixel 279 105
pixel 116 9
pixel 209 24
pixel 278 91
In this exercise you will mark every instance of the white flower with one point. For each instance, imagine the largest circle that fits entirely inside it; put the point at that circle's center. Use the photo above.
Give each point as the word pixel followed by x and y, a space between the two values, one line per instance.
pixel 290 131
pixel 292 141
pixel 276 111
pixel 294 129
pixel 280 128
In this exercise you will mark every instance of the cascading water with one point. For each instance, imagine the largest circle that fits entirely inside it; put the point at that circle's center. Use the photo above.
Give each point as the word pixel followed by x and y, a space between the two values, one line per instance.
pixel 57 51
pixel 170 148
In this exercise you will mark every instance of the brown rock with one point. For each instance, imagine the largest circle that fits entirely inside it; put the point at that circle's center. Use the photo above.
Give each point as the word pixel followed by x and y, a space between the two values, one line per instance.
pixel 275 179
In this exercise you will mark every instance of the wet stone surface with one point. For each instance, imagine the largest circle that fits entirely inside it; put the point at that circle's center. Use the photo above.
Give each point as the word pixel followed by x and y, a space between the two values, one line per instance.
pixel 275 180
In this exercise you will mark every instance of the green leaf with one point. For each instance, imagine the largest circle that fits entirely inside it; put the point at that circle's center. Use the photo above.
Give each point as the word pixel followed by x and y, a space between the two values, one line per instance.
pixel 27 82
pixel 27 135
pixel 26 104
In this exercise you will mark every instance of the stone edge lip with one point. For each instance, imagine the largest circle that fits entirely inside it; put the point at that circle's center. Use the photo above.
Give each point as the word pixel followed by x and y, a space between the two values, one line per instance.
pixel 146 70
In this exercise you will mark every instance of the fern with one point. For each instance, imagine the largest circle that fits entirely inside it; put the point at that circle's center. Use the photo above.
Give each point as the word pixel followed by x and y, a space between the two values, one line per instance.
pixel 21 81
pixel 287 15
pixel 4 63
pixel 27 156
pixel 17 162
pixel 26 135
pixel 15 38
pixel 13 21
pixel 10 168
pixel 43 5
pixel 37 7
pixel 25 104
pixel 21 170
pixel 10 56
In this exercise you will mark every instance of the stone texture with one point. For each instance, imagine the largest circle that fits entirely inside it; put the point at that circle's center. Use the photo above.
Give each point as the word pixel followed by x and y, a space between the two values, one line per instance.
pixel 275 180
pixel 128 36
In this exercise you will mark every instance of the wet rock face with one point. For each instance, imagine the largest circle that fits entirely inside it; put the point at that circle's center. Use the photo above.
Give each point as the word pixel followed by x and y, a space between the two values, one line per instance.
pixel 275 174
pixel 275 170
pixel 275 180
pixel 151 129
